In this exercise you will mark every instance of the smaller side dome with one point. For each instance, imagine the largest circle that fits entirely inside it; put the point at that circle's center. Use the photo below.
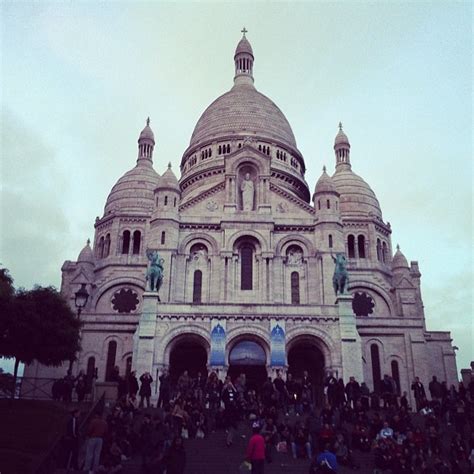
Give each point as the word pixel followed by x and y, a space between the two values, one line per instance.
pixel 325 184
pixel 244 46
pixel 399 262
pixel 341 138
pixel 147 133
pixel 168 180
pixel 86 255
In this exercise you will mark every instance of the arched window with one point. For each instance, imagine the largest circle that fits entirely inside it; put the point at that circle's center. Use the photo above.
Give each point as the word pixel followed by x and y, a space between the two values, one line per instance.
pixel 351 246
pixel 220 150
pixel 246 273
pixel 137 237
pixel 328 203
pixel 379 250
pixel 100 250
pixel 111 354
pixel 125 241
pixel 163 237
pixel 166 200
pixel 384 253
pixel 376 374
pixel 197 286
pixel 174 202
pixel 107 245
pixel 361 246
pixel 90 368
pixel 330 241
pixel 319 204
pixel 295 288
pixel 228 148
pixel 396 375
pixel 210 152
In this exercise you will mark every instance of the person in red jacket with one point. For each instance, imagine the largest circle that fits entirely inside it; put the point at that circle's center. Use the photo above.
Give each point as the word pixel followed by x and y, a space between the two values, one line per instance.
pixel 256 450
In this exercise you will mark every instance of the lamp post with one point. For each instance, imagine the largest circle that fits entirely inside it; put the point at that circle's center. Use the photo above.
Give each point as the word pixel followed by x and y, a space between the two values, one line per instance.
pixel 80 300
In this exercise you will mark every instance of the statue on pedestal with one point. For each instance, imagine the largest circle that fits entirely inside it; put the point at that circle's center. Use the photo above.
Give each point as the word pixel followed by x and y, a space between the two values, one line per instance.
pixel 340 279
pixel 247 190
pixel 154 273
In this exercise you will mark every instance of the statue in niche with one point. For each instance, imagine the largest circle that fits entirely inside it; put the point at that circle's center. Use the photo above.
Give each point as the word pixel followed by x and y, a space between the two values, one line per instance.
pixel 247 190
pixel 199 253
pixel 295 256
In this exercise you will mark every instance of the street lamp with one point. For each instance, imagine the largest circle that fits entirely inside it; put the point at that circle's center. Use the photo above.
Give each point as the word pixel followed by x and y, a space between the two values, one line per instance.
pixel 80 300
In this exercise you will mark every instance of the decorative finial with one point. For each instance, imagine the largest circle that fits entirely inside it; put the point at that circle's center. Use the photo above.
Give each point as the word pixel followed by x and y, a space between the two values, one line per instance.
pixel 88 241
pixel 243 30
pixel 340 126
pixel 169 165
pixel 148 121
pixel 398 247
pixel 324 169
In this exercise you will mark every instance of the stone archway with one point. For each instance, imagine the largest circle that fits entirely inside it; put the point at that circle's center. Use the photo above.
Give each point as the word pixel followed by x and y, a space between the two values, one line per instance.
pixel 247 356
pixel 305 355
pixel 188 352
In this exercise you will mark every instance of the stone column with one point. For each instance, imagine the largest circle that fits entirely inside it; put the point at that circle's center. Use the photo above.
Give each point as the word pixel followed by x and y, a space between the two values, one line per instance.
pixel 351 346
pixel 146 334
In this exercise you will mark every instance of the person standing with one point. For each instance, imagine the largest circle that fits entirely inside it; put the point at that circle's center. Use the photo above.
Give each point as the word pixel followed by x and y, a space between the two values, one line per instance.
pixel 95 437
pixel 165 389
pixel 81 386
pixel 231 415
pixel 352 391
pixel 256 450
pixel 419 393
pixel 72 440
pixel 132 384
pixel 145 389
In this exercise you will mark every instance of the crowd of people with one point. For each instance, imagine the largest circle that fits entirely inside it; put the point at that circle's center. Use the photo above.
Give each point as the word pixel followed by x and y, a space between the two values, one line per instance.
pixel 349 424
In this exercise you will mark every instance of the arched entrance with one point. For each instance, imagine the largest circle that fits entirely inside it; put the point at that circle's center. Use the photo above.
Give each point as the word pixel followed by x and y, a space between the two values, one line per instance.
pixel 249 358
pixel 304 355
pixel 188 354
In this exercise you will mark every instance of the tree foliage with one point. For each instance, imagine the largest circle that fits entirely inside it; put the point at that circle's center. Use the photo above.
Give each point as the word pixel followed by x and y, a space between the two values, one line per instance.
pixel 36 324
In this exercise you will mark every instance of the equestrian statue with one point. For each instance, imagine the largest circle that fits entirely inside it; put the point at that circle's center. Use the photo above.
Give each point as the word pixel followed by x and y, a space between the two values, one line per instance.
pixel 340 279
pixel 155 270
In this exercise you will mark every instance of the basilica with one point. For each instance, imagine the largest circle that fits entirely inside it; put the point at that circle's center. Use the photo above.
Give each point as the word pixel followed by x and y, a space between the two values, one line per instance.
pixel 247 248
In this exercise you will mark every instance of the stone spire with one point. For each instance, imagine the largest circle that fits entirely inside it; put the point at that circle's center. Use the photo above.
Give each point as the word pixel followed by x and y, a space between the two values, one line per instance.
pixel 243 59
pixel 146 144
pixel 342 149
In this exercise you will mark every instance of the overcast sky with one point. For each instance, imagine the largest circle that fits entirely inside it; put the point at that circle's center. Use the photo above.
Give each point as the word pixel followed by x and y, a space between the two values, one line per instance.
pixel 79 79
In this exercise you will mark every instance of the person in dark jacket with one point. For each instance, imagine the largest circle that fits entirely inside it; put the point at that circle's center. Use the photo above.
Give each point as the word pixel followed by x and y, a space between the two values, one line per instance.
pixel 72 440
pixel 419 393
pixel 165 389
pixel 352 391
pixel 132 384
pixel 145 389
pixel 176 457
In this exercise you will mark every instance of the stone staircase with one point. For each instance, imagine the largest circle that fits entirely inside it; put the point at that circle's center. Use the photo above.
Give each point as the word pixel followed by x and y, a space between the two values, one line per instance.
pixel 211 456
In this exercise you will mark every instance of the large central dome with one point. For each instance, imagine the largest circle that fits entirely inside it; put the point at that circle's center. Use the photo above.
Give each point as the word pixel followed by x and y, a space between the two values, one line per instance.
pixel 243 111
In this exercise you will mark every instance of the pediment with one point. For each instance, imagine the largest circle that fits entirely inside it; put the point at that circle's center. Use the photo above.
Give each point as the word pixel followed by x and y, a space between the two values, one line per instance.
pixel 403 283
pixel 81 277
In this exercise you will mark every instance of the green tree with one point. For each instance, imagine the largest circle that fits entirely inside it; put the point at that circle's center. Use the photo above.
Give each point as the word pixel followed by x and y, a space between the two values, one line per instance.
pixel 37 325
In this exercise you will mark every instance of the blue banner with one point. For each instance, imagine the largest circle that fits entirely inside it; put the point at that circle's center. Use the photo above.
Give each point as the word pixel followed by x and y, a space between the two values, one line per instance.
pixel 218 343
pixel 277 343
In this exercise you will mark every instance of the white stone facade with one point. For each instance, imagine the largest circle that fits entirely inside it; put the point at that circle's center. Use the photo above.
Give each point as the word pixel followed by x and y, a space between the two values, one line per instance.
pixel 199 227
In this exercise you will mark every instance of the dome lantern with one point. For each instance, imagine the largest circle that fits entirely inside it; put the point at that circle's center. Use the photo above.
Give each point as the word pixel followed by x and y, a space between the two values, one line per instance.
pixel 146 143
pixel 243 59
pixel 342 148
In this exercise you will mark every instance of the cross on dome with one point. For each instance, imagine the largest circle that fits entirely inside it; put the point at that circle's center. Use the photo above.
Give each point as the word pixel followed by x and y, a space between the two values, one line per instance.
pixel 340 126
pixel 148 121
pixel 88 241
pixel 244 30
